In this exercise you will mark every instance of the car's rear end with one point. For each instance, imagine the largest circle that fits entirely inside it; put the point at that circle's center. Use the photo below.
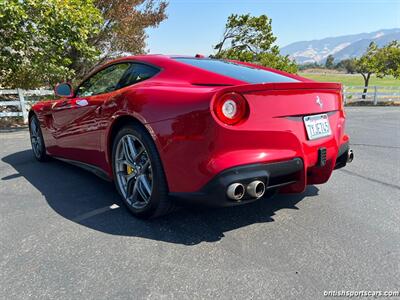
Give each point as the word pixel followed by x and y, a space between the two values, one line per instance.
pixel 297 128
pixel 267 136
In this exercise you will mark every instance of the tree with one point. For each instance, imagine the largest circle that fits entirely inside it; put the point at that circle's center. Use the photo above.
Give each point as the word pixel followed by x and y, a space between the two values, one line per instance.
pixel 36 37
pixel 380 61
pixel 313 65
pixel 46 41
pixel 348 64
pixel 123 28
pixel 329 62
pixel 389 58
pixel 367 64
pixel 276 61
pixel 250 39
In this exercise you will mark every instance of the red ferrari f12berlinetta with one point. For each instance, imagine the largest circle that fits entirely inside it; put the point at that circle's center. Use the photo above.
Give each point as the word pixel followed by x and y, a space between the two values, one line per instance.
pixel 172 128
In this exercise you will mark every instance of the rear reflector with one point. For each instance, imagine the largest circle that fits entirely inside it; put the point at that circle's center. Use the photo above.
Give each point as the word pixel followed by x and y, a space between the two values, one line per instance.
pixel 321 156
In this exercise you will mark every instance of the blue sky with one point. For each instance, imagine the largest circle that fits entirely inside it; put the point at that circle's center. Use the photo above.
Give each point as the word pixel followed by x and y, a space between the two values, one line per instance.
pixel 194 25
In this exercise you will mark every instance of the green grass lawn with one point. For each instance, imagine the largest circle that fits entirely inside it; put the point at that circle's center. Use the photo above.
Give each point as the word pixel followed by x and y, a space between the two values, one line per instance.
pixel 352 80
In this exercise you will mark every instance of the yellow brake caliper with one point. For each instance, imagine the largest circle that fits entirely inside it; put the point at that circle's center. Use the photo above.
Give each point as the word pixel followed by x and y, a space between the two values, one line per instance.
pixel 129 169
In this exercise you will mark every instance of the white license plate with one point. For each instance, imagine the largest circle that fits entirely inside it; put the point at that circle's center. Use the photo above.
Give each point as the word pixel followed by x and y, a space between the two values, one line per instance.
pixel 317 126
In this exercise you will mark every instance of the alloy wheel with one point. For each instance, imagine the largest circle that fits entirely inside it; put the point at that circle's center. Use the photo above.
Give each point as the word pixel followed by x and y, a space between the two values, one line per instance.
pixel 36 138
pixel 133 171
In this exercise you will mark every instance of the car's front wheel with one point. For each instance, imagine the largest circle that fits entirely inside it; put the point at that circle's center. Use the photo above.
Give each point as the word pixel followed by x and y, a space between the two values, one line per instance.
pixel 138 173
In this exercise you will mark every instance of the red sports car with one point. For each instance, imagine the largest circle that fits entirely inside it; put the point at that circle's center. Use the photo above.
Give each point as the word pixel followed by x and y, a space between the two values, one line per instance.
pixel 217 132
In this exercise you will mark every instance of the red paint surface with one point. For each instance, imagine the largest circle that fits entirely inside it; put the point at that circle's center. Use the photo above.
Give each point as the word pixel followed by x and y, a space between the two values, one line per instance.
pixel 176 106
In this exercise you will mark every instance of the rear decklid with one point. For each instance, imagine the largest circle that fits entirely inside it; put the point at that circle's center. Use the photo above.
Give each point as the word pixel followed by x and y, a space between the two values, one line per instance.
pixel 290 98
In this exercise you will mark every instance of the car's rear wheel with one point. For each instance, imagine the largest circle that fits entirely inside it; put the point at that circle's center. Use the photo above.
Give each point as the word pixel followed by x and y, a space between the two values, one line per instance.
pixel 37 142
pixel 138 173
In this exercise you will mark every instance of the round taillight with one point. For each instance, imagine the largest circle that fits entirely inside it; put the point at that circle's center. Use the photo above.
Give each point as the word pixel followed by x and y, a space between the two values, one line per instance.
pixel 231 108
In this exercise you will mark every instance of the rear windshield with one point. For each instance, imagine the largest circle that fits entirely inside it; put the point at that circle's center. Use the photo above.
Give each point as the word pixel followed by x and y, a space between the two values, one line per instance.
pixel 237 71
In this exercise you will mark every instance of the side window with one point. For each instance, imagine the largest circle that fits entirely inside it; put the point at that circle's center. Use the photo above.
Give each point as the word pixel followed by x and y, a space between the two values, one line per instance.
pixel 137 73
pixel 104 81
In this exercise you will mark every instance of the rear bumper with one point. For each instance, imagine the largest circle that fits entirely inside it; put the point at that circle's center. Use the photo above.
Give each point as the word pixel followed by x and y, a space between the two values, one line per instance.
pixel 274 175
pixel 342 156
pixel 285 174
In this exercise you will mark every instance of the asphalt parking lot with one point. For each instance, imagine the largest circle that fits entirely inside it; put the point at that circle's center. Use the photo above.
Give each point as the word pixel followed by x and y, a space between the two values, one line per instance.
pixel 65 234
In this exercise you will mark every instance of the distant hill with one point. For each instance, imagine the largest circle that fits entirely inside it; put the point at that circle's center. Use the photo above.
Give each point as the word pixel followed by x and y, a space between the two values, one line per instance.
pixel 340 47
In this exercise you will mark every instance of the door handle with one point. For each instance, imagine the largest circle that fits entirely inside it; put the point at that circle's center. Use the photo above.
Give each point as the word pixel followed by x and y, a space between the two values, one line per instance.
pixel 71 104
pixel 81 102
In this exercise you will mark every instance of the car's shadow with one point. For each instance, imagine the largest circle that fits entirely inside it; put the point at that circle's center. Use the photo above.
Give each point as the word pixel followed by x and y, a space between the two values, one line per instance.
pixel 85 199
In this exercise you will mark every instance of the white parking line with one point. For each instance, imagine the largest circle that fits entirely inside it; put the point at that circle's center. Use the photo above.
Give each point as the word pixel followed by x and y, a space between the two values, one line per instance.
pixel 95 212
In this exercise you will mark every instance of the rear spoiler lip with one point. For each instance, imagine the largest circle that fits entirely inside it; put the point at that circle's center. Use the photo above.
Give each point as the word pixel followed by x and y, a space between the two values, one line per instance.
pixel 248 88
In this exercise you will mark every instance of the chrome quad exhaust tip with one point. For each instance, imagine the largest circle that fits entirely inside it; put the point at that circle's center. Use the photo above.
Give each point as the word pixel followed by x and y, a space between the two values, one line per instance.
pixel 256 188
pixel 235 191
pixel 350 156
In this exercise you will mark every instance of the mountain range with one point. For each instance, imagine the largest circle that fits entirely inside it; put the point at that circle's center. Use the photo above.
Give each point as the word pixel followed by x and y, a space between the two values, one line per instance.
pixel 341 47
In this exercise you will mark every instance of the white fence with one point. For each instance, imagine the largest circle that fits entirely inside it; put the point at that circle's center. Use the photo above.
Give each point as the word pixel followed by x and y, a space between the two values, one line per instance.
pixel 374 94
pixel 20 101
pixel 352 94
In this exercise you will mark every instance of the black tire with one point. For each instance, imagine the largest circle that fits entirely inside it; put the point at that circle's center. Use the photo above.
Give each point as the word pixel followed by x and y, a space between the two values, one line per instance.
pixel 37 142
pixel 159 203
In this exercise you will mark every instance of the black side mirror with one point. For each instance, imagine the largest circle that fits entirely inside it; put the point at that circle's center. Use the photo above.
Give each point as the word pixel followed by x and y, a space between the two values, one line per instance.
pixel 64 90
